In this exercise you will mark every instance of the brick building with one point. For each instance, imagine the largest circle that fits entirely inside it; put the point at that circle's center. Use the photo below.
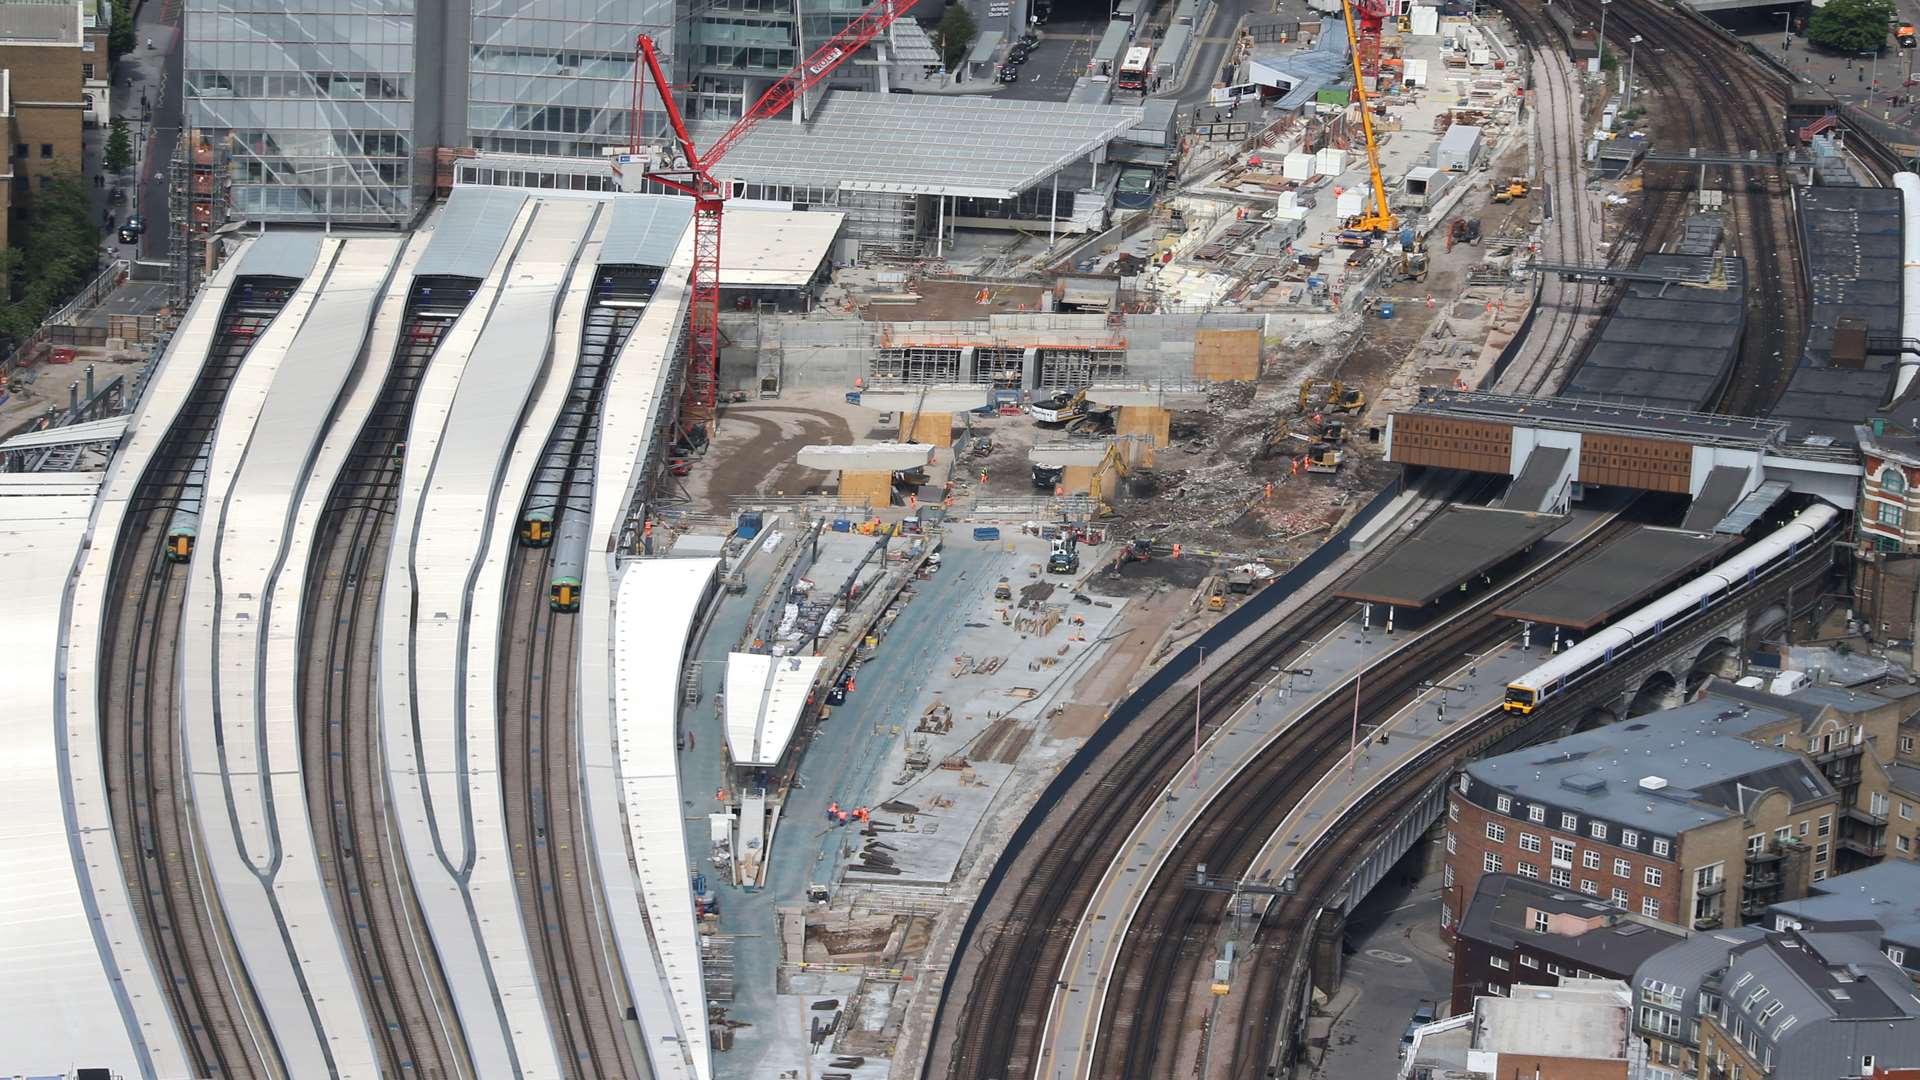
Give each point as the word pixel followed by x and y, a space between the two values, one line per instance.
pixel 1673 816
pixel 1886 569
pixel 1522 932
pixel 1579 1030
pixel 53 75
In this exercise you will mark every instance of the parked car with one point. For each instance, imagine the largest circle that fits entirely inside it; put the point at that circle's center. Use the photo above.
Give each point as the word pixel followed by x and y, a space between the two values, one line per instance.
pixel 129 234
pixel 1009 74
pixel 1423 1014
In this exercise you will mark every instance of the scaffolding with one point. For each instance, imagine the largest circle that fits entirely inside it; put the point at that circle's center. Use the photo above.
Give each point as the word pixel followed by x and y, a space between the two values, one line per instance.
pixel 885 223
pixel 196 208
pixel 917 365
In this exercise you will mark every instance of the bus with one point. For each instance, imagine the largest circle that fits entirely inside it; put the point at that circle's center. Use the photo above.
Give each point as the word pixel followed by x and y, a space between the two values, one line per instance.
pixel 1134 69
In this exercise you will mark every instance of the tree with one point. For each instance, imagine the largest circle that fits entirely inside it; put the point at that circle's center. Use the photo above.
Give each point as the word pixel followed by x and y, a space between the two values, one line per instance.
pixel 120 32
pixel 119 153
pixel 57 256
pixel 1852 26
pixel 956 33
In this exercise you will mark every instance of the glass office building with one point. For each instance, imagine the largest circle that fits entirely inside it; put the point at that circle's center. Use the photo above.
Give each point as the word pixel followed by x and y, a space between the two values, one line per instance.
pixel 325 110
pixel 332 110
pixel 554 77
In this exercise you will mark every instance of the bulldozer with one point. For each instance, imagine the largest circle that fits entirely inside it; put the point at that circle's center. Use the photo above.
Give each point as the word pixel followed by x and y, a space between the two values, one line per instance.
pixel 1337 397
pixel 1324 458
pixel 1517 187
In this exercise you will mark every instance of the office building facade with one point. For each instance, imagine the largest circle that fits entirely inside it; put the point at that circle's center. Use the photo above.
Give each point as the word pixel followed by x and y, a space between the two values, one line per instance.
pixel 332 110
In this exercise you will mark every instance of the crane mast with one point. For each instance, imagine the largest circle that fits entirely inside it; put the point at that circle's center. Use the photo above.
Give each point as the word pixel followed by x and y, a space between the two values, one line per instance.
pixel 692 175
pixel 1381 219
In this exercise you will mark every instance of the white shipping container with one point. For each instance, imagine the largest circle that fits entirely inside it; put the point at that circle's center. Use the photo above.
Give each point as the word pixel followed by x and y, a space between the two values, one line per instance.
pixel 1330 162
pixel 1352 202
pixel 1416 68
pixel 1298 166
pixel 1426 22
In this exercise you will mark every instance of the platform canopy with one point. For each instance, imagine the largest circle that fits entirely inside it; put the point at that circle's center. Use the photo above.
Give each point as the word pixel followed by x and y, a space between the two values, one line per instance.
pixel 1455 546
pixel 965 145
pixel 766 697
pixel 872 457
pixel 93 431
pixel 775 249
pixel 1617 578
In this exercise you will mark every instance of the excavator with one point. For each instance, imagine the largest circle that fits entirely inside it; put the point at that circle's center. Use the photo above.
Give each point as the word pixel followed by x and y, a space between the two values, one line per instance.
pixel 1515 188
pixel 1380 220
pixel 1339 397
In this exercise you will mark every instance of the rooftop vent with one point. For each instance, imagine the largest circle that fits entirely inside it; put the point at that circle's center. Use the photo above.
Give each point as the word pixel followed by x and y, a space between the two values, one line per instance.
pixel 1585 783
pixel 1652 783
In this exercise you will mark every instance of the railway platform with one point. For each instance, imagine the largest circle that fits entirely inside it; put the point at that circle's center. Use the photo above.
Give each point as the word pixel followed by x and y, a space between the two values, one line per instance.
pixel 1617 578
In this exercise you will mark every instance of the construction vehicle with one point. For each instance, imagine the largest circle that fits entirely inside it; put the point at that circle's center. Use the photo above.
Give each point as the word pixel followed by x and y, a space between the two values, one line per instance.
pixel 1060 408
pixel 690 173
pixel 1380 219
pixel 1353 238
pixel 1339 397
pixel 1047 477
pixel 1905 35
pixel 1216 594
pixel 1517 187
pixel 1413 262
pixel 1065 556
pixel 1324 458
pixel 1003 590
pixel 1138 549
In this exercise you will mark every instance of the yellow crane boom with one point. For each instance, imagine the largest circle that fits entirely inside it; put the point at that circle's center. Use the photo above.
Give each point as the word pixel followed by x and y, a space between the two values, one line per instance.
pixel 1382 218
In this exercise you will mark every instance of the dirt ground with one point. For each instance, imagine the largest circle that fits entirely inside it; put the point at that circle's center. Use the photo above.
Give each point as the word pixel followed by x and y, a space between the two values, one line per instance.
pixel 1141 627
pixel 754 445
pixel 28 401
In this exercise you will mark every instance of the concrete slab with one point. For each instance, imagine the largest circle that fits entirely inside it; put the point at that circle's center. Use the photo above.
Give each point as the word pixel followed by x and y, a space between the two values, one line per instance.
pixel 1147 395
pixel 927 399
pixel 1068 455
pixel 870 457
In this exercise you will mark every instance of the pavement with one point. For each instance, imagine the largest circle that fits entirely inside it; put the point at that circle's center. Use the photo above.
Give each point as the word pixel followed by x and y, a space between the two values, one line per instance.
pixel 1869 81
pixel 1398 962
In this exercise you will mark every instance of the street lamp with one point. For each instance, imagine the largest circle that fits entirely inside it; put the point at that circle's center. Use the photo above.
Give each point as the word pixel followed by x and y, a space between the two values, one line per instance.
pixel 1444 691
pixel 1631 42
pixel 1873 80
pixel 1602 55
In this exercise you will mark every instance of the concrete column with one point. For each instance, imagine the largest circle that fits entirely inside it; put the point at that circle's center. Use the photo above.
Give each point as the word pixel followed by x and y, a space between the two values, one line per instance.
pixel 1053 211
pixel 1094 160
pixel 940 229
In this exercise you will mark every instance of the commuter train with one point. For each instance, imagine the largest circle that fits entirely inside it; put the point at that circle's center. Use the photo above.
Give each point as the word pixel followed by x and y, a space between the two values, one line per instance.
pixel 184 529
pixel 543 502
pixel 569 560
pixel 1597 651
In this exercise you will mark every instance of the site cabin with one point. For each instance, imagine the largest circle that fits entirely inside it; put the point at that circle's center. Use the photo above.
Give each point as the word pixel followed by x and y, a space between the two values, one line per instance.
pixel 1134 69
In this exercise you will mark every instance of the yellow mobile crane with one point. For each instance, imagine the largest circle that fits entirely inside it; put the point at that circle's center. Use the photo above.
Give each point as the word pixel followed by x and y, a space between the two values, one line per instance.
pixel 1381 219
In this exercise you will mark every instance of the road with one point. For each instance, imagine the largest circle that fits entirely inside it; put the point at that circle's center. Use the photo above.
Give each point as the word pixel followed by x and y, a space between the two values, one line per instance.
pixel 147 94
pixel 1880 84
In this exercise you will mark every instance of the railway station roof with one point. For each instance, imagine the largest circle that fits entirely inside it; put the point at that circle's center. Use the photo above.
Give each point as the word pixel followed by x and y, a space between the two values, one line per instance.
pixel 1616 578
pixel 1850 241
pixel 766 696
pixel 1453 547
pixel 108 430
pixel 921 144
pixel 58 1006
pixel 1573 413
pixel 1666 346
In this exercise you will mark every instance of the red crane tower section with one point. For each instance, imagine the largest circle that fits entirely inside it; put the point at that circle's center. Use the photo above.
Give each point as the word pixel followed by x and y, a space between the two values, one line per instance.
pixel 1371 14
pixel 692 175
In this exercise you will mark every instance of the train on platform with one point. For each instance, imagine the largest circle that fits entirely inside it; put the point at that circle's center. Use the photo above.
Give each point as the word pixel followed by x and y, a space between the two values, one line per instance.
pixel 569 561
pixel 184 530
pixel 1575 662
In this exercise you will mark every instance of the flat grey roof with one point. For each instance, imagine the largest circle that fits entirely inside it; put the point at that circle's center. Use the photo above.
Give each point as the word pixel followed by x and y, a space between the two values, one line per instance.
pixel 1886 893
pixel 923 144
pixel 1533 488
pixel 1831 401
pixel 1711 772
pixel 1573 413
pixel 1850 240
pixel 645 230
pixel 37 22
pixel 288 253
pixel 984 45
pixel 1616 578
pixel 1457 544
pixel 1668 346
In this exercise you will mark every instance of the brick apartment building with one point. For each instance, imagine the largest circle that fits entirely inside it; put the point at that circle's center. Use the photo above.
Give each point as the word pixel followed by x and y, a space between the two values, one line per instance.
pixel 53 78
pixel 1524 932
pixel 1701 815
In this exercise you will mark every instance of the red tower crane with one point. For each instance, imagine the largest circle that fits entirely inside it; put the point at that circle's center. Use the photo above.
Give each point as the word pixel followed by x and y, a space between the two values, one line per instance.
pixel 691 174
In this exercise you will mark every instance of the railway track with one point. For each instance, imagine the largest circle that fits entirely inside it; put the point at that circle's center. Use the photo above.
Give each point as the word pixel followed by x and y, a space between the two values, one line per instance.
pixel 551 867
pixel 139 709
pixel 364 873
pixel 1150 1023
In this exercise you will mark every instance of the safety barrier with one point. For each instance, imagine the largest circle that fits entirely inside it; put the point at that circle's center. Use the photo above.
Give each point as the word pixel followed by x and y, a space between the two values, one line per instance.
pixel 1159 683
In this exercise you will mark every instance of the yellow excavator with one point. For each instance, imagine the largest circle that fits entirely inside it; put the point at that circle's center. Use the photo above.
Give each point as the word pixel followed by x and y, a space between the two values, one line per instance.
pixel 1381 219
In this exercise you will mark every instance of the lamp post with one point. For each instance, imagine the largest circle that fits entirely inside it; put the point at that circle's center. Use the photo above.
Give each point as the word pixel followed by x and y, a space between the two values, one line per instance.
pixel 1873 79
pixel 1601 56
pixel 1631 43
